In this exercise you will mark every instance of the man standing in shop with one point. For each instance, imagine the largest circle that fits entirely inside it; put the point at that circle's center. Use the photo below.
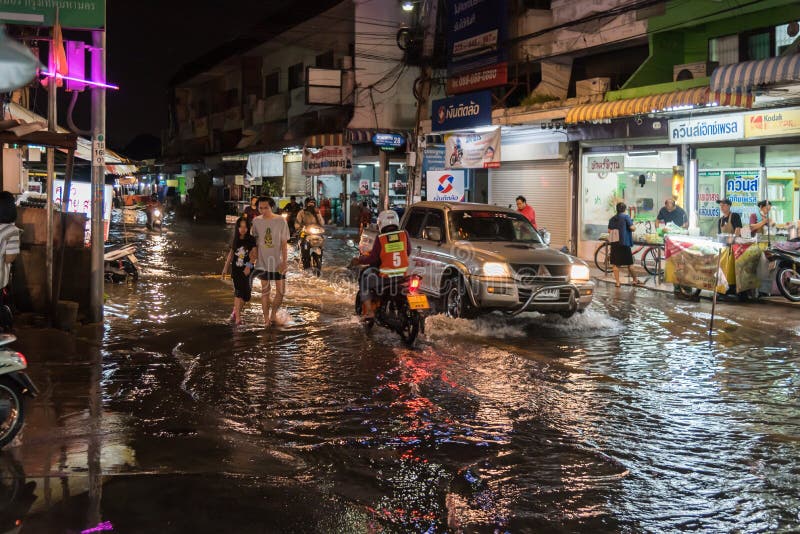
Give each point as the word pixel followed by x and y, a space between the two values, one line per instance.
pixel 526 210
pixel 730 222
pixel 672 213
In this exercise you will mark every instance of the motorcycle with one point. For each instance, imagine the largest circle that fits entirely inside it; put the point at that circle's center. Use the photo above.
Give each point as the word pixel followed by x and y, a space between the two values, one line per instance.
pixel 15 385
pixel 120 262
pixel 311 241
pixel 787 275
pixel 399 306
pixel 155 217
pixel 456 156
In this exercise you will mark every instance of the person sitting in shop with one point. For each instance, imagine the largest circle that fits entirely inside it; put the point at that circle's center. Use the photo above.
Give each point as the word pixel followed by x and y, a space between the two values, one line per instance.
pixel 672 213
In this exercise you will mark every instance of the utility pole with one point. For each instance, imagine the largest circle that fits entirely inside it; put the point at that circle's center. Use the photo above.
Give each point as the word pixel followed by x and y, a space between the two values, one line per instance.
pixel 52 126
pixel 429 10
pixel 98 174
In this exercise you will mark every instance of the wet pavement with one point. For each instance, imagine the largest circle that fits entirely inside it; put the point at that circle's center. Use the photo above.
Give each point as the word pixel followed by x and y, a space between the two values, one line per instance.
pixel 622 419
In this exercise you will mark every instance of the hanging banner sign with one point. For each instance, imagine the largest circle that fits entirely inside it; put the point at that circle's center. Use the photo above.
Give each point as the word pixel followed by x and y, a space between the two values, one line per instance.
pixel 706 130
pixel 473 150
pixel 606 163
pixel 492 76
pixel 328 160
pixel 72 14
pixel 462 112
pixel 742 189
pixel 775 123
pixel 477 32
pixel 446 186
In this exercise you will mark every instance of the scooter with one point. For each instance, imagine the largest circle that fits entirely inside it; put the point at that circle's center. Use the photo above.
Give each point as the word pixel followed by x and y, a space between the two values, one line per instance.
pixel 15 385
pixel 120 262
pixel 399 306
pixel 155 218
pixel 787 275
pixel 311 241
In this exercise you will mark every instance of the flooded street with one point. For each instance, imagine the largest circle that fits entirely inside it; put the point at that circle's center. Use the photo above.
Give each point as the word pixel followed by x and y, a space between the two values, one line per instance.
pixel 624 418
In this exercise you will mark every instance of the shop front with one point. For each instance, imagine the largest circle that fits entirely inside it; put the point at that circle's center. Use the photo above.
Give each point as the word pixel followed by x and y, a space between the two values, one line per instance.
pixel 745 157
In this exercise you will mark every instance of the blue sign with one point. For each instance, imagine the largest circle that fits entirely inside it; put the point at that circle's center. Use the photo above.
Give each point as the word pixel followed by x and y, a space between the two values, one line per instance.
pixel 433 159
pixel 477 34
pixel 461 112
pixel 388 140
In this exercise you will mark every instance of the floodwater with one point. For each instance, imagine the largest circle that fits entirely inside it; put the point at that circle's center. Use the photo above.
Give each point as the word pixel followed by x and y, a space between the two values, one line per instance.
pixel 622 419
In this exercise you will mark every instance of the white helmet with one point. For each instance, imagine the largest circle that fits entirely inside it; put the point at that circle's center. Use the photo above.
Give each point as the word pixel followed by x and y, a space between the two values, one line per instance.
pixel 387 218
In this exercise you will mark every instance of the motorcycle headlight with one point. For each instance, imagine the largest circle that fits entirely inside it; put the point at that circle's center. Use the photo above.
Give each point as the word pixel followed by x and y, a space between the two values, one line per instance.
pixel 157 213
pixel 316 230
pixel 579 272
pixel 496 269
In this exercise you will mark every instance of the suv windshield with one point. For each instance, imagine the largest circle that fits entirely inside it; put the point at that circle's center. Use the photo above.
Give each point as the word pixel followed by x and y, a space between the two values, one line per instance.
pixel 475 225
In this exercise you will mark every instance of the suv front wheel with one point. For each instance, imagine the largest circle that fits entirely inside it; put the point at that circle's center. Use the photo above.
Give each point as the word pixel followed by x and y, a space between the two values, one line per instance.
pixel 455 300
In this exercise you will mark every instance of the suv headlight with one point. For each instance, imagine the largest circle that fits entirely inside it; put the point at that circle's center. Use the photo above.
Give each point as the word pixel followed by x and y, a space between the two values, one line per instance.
pixel 496 269
pixel 579 272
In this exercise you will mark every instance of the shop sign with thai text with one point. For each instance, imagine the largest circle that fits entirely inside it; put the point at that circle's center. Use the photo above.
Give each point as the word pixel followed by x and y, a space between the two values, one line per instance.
pixel 462 112
pixel 706 129
pixel 328 160
pixel 477 31
pixel 708 193
pixel 742 188
pixel 77 14
pixel 606 163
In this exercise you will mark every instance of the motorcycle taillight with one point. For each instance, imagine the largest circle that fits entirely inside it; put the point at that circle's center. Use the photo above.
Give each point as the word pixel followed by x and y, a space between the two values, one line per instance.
pixel 413 284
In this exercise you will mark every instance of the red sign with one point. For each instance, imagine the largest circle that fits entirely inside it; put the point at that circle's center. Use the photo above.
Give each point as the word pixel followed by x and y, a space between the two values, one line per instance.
pixel 484 78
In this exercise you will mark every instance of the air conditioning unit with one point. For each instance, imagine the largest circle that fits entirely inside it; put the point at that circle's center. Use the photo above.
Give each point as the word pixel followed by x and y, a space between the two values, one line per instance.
pixel 690 71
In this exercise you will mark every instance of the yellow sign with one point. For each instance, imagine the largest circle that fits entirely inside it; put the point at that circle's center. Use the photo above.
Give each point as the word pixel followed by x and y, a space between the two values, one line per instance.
pixel 772 123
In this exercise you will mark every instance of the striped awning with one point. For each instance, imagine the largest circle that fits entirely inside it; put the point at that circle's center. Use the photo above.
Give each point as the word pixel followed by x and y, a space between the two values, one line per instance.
pixel 121 169
pixel 737 100
pixel 360 136
pixel 743 76
pixel 328 139
pixel 638 106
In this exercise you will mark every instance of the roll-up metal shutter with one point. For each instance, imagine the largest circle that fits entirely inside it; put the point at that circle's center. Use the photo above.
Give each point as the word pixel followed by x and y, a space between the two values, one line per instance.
pixel 295 181
pixel 545 184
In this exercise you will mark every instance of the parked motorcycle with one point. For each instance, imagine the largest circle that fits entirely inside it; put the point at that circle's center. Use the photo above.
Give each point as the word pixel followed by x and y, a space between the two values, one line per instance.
pixel 15 385
pixel 399 305
pixel 311 241
pixel 787 275
pixel 120 262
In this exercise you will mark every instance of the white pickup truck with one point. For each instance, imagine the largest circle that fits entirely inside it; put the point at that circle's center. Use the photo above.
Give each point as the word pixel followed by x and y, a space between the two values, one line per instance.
pixel 479 258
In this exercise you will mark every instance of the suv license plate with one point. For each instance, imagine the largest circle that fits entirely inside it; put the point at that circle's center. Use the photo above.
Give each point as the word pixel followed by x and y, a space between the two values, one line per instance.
pixel 547 294
pixel 418 302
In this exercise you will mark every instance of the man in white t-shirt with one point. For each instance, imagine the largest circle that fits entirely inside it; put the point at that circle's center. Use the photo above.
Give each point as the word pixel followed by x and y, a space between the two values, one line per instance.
pixel 272 234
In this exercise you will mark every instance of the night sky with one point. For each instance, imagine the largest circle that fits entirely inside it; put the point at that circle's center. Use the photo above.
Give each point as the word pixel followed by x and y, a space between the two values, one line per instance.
pixel 150 40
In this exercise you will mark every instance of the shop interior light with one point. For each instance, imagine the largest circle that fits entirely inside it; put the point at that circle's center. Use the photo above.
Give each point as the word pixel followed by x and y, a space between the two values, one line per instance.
pixel 642 153
pixel 79 80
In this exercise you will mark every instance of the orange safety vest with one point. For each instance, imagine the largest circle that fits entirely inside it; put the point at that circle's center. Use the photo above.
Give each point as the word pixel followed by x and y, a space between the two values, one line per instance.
pixel 394 256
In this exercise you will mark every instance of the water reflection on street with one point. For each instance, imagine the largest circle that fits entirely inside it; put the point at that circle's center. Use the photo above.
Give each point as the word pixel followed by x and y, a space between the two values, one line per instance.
pixel 168 418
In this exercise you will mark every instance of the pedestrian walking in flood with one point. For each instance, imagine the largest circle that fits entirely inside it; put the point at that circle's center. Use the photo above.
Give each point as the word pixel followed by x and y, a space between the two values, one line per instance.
pixel 620 235
pixel 272 235
pixel 240 265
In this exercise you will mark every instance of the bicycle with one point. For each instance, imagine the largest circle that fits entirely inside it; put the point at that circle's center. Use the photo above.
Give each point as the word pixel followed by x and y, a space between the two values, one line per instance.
pixel 650 258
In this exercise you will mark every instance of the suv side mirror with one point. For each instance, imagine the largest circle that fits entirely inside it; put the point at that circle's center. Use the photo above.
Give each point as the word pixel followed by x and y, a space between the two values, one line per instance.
pixel 433 233
pixel 545 235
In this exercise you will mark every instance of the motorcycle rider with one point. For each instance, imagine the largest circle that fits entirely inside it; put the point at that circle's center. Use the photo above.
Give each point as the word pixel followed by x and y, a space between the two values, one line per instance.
pixel 307 216
pixel 388 258
pixel 153 204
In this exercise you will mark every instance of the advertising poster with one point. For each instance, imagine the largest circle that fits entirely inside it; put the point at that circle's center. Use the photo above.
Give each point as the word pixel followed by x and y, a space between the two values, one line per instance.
pixel 708 193
pixel 742 188
pixel 328 160
pixel 473 150
pixel 446 186
pixel 476 33
pixel 80 201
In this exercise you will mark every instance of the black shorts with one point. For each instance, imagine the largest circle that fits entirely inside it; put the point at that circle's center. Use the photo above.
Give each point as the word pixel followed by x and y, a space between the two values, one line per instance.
pixel 269 275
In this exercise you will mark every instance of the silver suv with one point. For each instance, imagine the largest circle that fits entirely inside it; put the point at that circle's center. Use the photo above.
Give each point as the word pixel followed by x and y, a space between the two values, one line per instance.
pixel 478 258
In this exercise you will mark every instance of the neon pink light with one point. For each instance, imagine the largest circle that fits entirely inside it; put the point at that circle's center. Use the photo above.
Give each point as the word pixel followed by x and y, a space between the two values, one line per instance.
pixel 79 80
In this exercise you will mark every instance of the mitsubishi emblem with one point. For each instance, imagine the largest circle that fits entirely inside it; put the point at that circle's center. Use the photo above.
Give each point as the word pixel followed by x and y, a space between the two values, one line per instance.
pixel 543 272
